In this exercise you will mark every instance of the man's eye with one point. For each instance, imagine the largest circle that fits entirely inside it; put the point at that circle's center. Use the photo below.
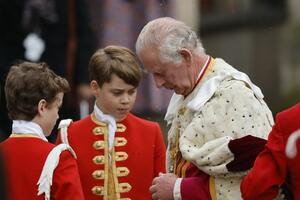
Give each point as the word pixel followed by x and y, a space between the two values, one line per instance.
pixel 158 75
pixel 116 93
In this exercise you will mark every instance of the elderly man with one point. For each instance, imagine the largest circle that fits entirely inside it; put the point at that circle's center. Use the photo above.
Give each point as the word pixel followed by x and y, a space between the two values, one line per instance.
pixel 218 116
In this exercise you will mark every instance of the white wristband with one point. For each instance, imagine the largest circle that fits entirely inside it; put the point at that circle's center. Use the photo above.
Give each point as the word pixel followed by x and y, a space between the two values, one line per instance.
pixel 176 190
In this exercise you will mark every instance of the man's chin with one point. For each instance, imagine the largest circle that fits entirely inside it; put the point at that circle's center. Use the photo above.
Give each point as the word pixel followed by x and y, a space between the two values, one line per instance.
pixel 168 88
pixel 177 91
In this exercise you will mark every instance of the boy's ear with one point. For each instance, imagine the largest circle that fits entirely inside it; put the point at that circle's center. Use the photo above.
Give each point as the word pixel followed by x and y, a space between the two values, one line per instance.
pixel 94 86
pixel 42 106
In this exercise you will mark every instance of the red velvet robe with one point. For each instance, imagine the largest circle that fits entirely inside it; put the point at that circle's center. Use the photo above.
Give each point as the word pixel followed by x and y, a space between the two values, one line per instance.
pixel 24 158
pixel 195 184
pixel 137 157
pixel 272 168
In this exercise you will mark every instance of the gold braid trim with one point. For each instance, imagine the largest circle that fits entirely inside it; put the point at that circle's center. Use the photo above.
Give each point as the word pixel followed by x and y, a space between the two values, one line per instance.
pixel 183 170
pixel 16 135
pixel 212 189
pixel 106 164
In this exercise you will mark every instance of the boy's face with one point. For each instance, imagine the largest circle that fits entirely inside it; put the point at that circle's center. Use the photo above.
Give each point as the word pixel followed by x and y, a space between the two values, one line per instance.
pixel 53 115
pixel 115 98
pixel 48 113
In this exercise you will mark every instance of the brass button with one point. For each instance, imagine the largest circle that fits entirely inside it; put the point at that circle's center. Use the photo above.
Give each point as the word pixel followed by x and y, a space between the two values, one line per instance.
pixel 122 171
pixel 97 190
pixel 98 130
pixel 98 145
pixel 120 156
pixel 120 127
pixel 98 160
pixel 124 187
pixel 120 141
pixel 98 174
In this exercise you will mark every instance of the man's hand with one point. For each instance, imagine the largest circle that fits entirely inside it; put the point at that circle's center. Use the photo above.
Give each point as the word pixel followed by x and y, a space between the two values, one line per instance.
pixel 162 187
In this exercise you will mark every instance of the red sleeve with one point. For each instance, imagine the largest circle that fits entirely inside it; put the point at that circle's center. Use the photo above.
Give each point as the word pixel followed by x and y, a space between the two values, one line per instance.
pixel 160 153
pixel 269 170
pixel 66 181
pixel 195 188
pixel 195 185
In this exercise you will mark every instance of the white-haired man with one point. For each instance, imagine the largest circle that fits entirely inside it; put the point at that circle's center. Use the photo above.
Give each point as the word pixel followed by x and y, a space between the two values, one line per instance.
pixel 218 117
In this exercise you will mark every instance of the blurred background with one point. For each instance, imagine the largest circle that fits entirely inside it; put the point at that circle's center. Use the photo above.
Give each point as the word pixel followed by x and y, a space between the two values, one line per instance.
pixel 259 37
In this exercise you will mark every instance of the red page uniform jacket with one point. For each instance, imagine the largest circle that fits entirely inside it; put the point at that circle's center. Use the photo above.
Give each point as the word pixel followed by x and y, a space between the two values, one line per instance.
pixel 272 168
pixel 124 172
pixel 24 158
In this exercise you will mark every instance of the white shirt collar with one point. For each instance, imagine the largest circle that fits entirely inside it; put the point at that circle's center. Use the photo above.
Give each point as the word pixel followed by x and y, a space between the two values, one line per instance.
pixel 28 127
pixel 112 126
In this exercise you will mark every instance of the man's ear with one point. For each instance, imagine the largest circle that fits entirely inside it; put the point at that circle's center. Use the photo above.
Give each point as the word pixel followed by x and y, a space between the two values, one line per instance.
pixel 186 55
pixel 42 106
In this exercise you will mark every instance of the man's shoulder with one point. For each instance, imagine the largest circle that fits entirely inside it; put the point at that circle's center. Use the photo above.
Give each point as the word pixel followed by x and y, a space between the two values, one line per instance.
pixel 233 88
pixel 222 65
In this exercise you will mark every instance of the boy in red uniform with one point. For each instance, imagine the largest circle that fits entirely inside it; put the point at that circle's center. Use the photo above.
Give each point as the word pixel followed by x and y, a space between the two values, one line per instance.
pixel 118 154
pixel 279 162
pixel 34 168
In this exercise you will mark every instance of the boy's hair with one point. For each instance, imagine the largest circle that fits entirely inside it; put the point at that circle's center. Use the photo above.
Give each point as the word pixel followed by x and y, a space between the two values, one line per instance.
pixel 115 60
pixel 26 84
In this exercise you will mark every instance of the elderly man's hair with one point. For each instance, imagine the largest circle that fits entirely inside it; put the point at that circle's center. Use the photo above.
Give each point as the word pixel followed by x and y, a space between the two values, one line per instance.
pixel 169 35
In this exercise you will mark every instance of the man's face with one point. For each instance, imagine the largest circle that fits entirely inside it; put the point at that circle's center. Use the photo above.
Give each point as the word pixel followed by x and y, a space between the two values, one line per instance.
pixel 115 98
pixel 173 76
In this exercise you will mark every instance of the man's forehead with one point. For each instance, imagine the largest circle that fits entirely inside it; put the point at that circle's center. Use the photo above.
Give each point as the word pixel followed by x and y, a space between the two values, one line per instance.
pixel 150 62
pixel 149 53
